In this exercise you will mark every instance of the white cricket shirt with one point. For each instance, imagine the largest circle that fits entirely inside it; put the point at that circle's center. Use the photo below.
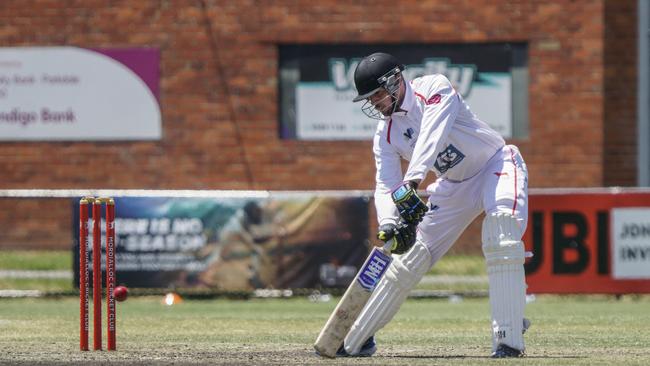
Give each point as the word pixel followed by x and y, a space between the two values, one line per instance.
pixel 436 131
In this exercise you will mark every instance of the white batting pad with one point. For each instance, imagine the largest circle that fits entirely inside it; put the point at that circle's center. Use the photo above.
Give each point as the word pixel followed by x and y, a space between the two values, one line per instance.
pixel 504 255
pixel 402 275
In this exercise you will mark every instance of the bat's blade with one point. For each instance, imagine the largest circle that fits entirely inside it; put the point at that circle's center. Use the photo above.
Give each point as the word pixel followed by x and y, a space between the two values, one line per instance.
pixel 339 323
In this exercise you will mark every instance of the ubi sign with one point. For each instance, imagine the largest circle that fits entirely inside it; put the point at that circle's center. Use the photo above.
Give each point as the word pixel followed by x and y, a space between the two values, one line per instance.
pixel 588 242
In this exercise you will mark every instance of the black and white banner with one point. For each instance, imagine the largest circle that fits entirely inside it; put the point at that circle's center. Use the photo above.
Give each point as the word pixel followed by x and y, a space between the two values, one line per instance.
pixel 317 85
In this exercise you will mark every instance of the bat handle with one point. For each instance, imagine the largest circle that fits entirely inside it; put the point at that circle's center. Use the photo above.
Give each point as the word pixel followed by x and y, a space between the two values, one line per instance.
pixel 388 245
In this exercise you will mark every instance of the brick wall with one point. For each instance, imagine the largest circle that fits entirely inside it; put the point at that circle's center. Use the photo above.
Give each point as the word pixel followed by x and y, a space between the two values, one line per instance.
pixel 620 93
pixel 219 91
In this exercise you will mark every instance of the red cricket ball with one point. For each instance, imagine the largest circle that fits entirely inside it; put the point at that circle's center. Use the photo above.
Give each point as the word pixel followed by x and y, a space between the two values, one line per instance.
pixel 121 293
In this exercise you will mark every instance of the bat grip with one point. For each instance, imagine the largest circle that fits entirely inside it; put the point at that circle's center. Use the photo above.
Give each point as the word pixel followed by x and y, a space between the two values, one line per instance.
pixel 388 245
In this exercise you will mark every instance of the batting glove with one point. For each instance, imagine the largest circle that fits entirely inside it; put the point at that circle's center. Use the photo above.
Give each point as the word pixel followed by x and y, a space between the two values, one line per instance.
pixel 411 208
pixel 403 235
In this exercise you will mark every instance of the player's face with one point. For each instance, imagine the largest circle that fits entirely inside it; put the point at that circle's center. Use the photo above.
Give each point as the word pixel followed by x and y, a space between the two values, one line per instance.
pixel 382 102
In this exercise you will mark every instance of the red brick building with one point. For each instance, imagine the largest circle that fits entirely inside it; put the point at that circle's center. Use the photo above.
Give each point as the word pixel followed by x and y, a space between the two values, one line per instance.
pixel 582 100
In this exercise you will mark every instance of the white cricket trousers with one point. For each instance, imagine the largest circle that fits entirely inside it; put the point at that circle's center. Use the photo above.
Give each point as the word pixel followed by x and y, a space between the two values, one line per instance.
pixel 501 186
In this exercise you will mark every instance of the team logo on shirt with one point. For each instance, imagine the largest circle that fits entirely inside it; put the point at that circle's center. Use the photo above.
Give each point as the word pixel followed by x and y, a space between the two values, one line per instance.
pixel 448 158
pixel 435 99
pixel 409 133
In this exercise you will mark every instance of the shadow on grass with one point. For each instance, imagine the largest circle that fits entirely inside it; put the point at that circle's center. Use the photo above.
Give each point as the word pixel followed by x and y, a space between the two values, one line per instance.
pixel 476 357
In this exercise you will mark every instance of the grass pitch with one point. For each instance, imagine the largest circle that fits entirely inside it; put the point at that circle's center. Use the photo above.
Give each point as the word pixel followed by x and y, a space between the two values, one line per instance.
pixel 590 330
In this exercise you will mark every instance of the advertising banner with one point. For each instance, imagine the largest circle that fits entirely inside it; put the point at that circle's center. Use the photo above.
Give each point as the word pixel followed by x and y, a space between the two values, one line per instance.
pixel 71 93
pixel 237 243
pixel 584 242
pixel 317 85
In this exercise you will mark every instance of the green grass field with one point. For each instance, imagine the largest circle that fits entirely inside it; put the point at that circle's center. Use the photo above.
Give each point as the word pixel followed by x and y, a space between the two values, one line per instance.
pixel 590 330
pixel 569 330
pixel 451 265
pixel 62 260
pixel 36 259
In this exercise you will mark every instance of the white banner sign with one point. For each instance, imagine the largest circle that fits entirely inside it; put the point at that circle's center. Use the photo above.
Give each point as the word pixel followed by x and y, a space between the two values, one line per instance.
pixel 631 243
pixel 69 93
pixel 326 112
pixel 317 85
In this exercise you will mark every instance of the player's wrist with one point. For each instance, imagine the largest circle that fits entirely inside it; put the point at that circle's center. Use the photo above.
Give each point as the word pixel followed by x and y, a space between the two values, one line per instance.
pixel 388 220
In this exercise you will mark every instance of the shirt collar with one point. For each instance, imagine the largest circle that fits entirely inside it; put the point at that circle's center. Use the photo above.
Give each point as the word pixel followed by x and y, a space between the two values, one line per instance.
pixel 407 103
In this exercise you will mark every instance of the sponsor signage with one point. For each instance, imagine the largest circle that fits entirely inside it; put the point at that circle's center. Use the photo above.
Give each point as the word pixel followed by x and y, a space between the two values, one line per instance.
pixel 235 243
pixel 317 85
pixel 631 243
pixel 373 269
pixel 585 242
pixel 71 93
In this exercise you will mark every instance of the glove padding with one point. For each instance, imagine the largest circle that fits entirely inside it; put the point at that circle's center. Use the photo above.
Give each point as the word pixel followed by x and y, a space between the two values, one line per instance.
pixel 411 208
pixel 404 235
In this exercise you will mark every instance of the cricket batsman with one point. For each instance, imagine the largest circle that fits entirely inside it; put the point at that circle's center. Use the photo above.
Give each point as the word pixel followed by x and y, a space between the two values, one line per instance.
pixel 426 122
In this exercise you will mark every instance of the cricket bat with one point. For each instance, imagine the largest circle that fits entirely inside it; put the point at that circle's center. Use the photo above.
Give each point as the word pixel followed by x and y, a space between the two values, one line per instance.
pixel 349 307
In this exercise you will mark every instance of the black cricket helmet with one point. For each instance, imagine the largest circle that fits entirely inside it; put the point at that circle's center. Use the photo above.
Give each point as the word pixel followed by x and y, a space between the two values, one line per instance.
pixel 376 71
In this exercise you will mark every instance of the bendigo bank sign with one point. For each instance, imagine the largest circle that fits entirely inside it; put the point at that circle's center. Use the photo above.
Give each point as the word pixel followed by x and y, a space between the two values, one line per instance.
pixel 584 242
